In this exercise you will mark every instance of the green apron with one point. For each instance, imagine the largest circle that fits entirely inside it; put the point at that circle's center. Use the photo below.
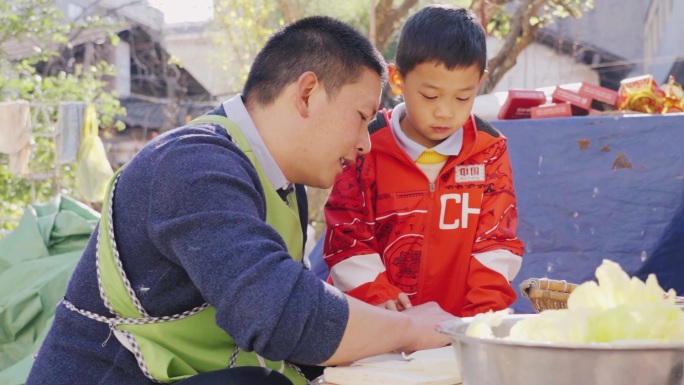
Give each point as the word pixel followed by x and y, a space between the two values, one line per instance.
pixel 172 348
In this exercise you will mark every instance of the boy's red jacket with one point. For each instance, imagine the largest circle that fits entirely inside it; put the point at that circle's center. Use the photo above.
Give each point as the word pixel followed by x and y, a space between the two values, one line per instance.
pixel 452 241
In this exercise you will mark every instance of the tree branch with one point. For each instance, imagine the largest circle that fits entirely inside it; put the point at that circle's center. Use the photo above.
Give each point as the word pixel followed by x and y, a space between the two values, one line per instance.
pixel 388 20
pixel 521 34
pixel 491 8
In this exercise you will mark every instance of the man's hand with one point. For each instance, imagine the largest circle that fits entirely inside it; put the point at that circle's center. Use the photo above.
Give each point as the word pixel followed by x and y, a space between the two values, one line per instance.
pixel 400 304
pixel 372 330
pixel 425 317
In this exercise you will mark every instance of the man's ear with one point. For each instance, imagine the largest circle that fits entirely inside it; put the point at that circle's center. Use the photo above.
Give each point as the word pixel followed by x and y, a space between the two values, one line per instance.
pixel 396 79
pixel 307 82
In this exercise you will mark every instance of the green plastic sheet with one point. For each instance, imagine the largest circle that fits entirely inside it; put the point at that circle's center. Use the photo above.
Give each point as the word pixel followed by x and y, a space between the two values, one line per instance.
pixel 36 261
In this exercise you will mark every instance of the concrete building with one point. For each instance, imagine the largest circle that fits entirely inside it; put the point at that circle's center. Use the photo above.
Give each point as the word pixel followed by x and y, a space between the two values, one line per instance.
pixel 645 33
pixel 193 43
pixel 158 94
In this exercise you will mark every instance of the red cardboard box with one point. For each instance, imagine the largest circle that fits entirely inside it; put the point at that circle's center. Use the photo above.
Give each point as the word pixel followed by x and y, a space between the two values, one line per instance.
pixel 599 93
pixel 551 110
pixel 519 102
pixel 604 98
pixel 580 103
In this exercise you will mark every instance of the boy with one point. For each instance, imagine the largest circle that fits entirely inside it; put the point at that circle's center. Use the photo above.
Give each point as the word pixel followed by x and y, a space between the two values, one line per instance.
pixel 430 213
pixel 196 265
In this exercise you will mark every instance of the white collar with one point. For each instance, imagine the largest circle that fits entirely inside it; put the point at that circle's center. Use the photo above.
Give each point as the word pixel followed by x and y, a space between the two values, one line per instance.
pixel 451 146
pixel 237 112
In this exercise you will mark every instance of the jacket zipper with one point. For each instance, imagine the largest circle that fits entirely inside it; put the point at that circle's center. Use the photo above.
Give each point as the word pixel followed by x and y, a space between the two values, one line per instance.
pixel 432 187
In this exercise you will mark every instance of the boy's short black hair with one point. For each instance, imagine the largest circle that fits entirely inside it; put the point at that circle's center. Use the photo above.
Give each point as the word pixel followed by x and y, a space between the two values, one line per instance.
pixel 330 48
pixel 448 35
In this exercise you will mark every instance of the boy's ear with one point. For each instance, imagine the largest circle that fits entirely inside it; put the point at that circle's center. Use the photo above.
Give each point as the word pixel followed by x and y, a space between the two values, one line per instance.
pixel 306 84
pixel 396 79
pixel 483 77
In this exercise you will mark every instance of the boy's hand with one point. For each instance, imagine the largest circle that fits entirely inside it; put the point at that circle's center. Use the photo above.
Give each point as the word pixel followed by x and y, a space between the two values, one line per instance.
pixel 400 304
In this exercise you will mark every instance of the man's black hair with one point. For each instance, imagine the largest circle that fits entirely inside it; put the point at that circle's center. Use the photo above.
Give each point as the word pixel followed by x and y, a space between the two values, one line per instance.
pixel 332 49
pixel 443 34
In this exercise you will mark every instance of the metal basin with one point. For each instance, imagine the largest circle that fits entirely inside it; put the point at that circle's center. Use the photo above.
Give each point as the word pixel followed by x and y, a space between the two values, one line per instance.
pixel 503 362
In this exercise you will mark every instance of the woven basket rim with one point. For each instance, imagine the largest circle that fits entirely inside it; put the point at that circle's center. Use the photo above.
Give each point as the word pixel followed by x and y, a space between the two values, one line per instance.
pixel 561 286
pixel 545 293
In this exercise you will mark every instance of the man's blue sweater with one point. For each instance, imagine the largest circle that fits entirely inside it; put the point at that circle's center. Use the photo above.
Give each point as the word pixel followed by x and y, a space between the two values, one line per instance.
pixel 189 221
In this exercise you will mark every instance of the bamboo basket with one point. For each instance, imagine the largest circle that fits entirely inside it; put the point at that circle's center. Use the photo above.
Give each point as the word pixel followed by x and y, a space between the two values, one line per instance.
pixel 546 293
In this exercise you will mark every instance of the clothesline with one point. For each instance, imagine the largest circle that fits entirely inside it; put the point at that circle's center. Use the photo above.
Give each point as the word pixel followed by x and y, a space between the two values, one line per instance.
pixel 40 118
pixel 60 122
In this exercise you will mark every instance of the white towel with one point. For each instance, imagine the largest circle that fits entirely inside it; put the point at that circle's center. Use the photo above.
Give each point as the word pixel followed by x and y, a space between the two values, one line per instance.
pixel 15 135
pixel 424 367
pixel 68 131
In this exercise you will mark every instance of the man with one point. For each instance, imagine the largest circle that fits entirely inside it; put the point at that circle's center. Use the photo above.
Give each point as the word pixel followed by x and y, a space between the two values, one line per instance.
pixel 196 265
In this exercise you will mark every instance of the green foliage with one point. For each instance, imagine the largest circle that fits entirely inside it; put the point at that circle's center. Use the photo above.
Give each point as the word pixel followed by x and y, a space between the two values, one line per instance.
pixel 567 8
pixel 39 22
pixel 31 19
pixel 499 24
pixel 354 12
pixel 243 26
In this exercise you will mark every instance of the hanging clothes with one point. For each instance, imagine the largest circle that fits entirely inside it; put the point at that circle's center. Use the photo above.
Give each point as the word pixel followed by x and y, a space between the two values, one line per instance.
pixel 68 131
pixel 93 169
pixel 15 135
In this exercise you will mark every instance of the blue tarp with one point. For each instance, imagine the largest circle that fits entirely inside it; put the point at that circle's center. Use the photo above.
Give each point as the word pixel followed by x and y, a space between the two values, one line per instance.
pixel 593 188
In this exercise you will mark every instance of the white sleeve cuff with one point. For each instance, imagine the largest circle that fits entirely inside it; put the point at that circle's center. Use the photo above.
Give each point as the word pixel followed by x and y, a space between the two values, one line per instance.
pixel 502 261
pixel 357 270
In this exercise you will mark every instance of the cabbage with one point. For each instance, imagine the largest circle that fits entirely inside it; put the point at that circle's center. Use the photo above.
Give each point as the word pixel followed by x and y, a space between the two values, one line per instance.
pixel 616 309
pixel 646 322
pixel 481 325
pixel 615 288
pixel 552 326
